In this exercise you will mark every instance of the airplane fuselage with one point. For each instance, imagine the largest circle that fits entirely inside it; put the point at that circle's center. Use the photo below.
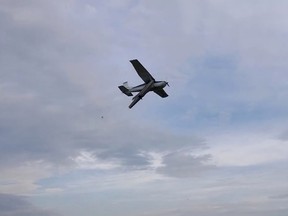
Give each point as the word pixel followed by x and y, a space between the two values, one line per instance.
pixel 155 85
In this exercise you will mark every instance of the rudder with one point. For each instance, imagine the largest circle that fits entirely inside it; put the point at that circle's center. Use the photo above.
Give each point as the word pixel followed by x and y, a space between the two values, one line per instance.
pixel 125 90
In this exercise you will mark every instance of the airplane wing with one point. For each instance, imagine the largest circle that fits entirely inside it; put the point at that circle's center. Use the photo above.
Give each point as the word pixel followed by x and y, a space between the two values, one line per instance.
pixel 161 93
pixel 135 100
pixel 141 70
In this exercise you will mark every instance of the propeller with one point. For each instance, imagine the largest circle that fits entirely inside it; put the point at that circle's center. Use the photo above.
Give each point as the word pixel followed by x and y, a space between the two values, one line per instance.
pixel 167 84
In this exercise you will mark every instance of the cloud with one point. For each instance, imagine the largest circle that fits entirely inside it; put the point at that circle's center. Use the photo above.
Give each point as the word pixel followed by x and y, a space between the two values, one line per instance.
pixel 22 178
pixel 280 196
pixel 11 205
pixel 42 97
pixel 237 210
pixel 182 164
pixel 283 136
pixel 253 148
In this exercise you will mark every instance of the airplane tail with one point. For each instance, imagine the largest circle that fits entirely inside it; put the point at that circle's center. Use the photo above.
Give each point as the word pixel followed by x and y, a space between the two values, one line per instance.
pixel 126 85
pixel 125 89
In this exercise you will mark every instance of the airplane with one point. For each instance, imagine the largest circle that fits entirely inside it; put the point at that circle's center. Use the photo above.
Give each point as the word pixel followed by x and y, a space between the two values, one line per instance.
pixel 150 84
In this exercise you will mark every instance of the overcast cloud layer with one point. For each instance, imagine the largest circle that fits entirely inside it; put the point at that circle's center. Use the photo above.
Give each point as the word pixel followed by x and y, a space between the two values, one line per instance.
pixel 216 146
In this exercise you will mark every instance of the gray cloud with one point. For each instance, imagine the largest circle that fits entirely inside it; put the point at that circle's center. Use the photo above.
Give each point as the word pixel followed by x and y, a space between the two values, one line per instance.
pixel 11 205
pixel 181 164
pixel 283 136
pixel 39 102
pixel 225 211
pixel 280 196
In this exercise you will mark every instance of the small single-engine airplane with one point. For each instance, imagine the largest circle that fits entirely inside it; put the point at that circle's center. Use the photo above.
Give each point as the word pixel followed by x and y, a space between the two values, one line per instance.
pixel 149 85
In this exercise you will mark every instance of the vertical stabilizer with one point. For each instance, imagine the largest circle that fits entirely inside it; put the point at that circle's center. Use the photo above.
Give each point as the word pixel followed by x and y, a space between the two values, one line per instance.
pixel 125 89
pixel 125 84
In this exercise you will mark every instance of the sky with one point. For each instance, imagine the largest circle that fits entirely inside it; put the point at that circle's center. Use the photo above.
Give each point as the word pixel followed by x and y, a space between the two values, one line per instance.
pixel 218 145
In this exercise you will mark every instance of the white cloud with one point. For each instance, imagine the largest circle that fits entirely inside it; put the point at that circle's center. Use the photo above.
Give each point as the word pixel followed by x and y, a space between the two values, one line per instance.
pixel 246 149
pixel 22 179
pixel 86 160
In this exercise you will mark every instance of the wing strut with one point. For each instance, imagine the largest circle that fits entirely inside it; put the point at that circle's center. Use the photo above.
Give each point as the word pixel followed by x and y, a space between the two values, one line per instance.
pixel 141 94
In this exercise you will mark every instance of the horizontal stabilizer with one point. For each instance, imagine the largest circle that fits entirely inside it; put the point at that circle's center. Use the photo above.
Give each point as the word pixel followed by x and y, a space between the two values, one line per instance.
pixel 125 90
